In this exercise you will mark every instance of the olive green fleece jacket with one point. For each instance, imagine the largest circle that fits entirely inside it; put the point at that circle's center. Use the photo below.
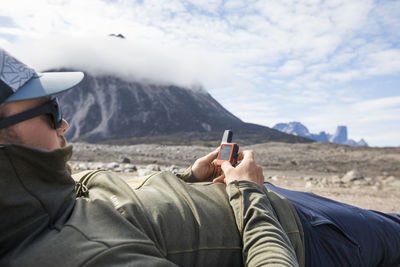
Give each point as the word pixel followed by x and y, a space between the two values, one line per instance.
pixel 160 220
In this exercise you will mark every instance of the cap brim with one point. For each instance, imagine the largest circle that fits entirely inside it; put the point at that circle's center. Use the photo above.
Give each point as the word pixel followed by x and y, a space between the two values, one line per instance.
pixel 45 84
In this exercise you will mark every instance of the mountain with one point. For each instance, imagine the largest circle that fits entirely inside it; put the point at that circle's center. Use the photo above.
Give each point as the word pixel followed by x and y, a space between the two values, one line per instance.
pixel 339 137
pixel 292 128
pixel 110 109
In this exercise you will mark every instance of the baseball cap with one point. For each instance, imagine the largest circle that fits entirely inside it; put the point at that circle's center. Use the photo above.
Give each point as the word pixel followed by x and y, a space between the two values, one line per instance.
pixel 19 82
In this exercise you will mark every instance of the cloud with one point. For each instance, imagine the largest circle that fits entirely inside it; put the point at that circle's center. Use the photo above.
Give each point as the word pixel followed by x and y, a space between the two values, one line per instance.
pixel 210 6
pixel 129 59
pixel 372 106
pixel 384 62
pixel 291 67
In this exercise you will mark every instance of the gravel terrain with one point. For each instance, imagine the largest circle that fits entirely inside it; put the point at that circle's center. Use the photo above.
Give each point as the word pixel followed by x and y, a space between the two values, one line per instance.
pixel 362 176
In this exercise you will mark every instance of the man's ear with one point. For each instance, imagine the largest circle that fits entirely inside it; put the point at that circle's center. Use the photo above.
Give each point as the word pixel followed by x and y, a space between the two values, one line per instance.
pixel 7 135
pixel 3 132
pixel 3 111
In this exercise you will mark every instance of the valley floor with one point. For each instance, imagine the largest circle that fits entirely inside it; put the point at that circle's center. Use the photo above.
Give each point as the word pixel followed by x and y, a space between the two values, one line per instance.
pixel 362 176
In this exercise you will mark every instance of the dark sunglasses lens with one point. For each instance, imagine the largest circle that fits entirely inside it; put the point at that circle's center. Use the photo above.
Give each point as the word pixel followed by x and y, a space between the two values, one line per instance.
pixel 56 116
pixel 59 115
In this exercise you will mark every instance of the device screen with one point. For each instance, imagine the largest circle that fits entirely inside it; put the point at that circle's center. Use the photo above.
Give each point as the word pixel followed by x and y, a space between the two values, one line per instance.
pixel 225 153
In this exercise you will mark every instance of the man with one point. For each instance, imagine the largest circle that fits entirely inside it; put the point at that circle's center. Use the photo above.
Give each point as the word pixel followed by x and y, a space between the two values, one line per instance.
pixel 48 219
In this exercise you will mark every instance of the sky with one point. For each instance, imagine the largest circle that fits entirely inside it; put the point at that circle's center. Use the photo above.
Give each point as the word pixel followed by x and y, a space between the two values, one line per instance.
pixel 322 63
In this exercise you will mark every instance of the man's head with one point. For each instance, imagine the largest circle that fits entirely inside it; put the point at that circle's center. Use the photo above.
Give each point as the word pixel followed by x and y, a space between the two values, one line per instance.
pixel 28 113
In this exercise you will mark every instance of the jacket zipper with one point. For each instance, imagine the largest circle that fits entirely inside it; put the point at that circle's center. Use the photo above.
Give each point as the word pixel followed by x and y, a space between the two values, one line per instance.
pixel 81 189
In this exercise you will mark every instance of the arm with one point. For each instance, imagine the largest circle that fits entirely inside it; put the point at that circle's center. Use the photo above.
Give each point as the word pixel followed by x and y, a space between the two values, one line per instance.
pixel 264 240
pixel 203 170
pixel 128 255
pixel 187 175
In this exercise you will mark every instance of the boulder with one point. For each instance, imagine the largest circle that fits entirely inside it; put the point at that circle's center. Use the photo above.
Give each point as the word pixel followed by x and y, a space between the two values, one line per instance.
pixel 82 166
pixel 309 184
pixel 336 180
pixel 153 167
pixel 144 172
pixel 126 160
pixel 112 165
pixel 130 167
pixel 352 176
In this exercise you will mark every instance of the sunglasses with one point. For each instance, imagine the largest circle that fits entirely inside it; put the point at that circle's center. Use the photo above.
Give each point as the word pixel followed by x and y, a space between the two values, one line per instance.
pixel 51 108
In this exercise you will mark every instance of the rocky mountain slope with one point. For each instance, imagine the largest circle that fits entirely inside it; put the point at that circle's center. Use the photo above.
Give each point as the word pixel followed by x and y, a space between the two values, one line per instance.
pixel 107 108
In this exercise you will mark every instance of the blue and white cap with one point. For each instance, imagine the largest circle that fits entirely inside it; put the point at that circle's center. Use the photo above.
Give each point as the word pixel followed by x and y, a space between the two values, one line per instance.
pixel 19 82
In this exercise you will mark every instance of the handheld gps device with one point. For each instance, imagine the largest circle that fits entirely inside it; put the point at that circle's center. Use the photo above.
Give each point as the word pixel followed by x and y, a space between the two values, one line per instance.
pixel 228 151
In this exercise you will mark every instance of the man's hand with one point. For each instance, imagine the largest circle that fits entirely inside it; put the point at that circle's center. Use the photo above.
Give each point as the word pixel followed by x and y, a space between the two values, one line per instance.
pixel 245 170
pixel 205 168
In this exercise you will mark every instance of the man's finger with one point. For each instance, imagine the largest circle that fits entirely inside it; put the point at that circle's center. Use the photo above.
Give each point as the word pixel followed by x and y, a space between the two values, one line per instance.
pixel 226 166
pixel 219 179
pixel 211 156
pixel 248 155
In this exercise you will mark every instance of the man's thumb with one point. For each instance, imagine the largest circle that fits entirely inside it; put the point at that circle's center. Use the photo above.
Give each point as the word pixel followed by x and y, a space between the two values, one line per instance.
pixel 226 166
pixel 210 156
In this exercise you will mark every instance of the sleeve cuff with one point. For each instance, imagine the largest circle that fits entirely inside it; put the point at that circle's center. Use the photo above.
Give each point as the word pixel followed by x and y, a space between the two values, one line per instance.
pixel 187 176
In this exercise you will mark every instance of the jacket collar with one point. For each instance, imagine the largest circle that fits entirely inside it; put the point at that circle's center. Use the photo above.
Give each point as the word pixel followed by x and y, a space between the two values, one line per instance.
pixel 36 192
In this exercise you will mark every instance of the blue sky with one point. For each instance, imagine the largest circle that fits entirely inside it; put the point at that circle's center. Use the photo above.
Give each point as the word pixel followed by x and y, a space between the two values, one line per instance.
pixel 323 63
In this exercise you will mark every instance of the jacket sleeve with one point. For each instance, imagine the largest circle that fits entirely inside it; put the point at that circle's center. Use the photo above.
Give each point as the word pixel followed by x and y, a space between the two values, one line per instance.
pixel 127 255
pixel 187 176
pixel 264 240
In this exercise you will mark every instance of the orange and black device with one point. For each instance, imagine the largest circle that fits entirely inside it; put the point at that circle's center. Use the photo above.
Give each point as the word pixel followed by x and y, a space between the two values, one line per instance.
pixel 228 151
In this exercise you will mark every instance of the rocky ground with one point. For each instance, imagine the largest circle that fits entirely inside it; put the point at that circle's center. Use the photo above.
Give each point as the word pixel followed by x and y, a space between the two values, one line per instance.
pixel 361 176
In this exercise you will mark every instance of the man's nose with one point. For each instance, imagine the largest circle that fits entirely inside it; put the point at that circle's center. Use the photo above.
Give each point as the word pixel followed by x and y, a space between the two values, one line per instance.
pixel 64 127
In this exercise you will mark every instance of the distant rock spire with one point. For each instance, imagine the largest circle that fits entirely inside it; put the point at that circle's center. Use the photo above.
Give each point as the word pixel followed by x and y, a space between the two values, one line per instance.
pixel 340 136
